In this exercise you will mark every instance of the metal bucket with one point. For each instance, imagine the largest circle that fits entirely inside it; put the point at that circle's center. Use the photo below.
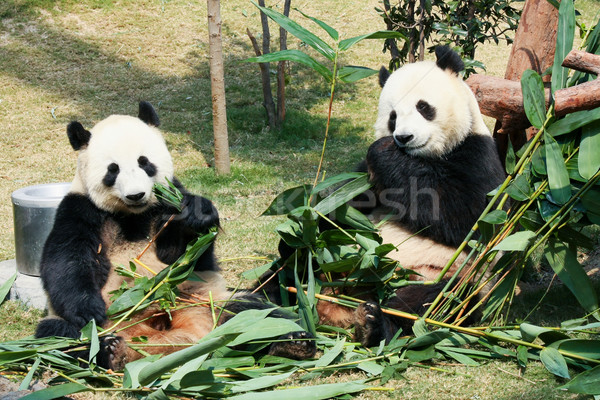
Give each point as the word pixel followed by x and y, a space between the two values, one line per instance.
pixel 34 208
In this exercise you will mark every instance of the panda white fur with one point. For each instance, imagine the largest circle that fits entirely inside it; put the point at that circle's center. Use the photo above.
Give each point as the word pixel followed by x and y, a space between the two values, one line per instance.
pixel 431 167
pixel 107 219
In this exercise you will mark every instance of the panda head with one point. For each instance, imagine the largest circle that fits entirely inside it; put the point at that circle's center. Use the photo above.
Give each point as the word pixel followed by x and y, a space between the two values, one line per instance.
pixel 120 159
pixel 427 107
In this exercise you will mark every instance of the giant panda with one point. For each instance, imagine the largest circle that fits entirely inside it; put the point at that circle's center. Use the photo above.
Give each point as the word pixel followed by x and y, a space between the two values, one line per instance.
pixel 107 218
pixel 431 167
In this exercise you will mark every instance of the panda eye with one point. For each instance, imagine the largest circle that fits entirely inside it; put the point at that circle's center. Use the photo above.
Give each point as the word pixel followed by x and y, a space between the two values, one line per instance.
pixel 392 122
pixel 111 174
pixel 426 110
pixel 113 168
pixel 147 166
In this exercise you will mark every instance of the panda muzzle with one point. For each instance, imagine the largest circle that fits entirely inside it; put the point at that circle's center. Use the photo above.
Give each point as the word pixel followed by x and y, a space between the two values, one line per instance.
pixel 403 139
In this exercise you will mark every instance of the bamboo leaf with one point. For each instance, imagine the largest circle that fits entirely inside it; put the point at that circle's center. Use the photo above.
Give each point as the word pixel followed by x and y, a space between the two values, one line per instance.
pixel 305 310
pixel 301 33
pixel 269 328
pixel 564 43
pixel 554 362
pixel 589 150
pixel 259 383
pixel 343 195
pixel 330 31
pixel 522 356
pixel 56 392
pixel 531 332
pixel 534 99
pixel 582 347
pixel 306 393
pixel 519 189
pixel 518 241
pixel 421 355
pixel 289 200
pixel 8 357
pixel 564 263
pixel 153 371
pixel 350 74
pixel 371 368
pixel 429 338
pixel 558 176
pixel 501 293
pixel 5 288
pixel 29 377
pixel 295 56
pixel 573 121
pixel 330 355
pixel 591 201
pixel 90 332
pixel 132 371
pixel 587 382
pixel 461 358
pixel 335 180
pixel 511 159
pixel 347 43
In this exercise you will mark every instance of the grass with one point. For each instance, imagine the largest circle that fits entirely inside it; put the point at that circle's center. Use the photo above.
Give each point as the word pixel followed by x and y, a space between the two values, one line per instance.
pixel 64 59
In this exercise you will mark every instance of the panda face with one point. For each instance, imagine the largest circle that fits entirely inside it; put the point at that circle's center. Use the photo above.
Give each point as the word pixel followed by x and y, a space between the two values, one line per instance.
pixel 123 160
pixel 427 110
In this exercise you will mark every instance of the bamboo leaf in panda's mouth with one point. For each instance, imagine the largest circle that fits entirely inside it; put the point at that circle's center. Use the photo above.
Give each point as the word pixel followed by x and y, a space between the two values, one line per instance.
pixel 169 194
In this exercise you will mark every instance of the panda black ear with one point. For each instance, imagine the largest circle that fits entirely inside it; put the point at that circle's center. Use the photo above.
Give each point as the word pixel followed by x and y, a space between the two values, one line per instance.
pixel 448 59
pixel 79 137
pixel 384 74
pixel 148 114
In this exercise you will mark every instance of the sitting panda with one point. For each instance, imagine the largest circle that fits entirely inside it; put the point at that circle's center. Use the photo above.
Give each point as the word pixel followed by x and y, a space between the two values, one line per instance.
pixel 107 219
pixel 431 167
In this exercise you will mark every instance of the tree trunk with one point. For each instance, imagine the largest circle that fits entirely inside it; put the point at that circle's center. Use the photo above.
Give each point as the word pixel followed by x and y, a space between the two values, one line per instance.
pixel 533 48
pixel 281 69
pixel 217 86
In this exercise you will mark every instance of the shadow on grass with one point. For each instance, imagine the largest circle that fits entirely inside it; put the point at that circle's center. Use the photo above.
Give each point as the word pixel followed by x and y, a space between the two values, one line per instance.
pixel 102 83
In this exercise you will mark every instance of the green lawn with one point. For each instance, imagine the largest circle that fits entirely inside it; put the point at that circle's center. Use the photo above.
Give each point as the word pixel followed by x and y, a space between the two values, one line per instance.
pixel 62 60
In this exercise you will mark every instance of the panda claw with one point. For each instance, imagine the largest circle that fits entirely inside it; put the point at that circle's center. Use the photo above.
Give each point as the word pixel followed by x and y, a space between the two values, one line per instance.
pixel 369 324
pixel 296 346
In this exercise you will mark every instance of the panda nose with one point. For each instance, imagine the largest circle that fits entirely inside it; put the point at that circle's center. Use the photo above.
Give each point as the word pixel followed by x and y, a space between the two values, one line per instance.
pixel 136 197
pixel 403 139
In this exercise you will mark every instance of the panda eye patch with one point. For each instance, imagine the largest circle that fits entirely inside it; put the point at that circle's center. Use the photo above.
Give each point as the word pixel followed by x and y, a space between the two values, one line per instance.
pixel 112 171
pixel 426 110
pixel 392 121
pixel 147 166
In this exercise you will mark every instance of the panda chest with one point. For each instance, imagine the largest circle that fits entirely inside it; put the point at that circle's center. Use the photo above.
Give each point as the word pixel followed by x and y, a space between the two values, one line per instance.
pixel 127 238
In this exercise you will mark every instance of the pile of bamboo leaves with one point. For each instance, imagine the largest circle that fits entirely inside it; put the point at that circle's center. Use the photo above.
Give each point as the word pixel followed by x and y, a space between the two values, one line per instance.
pixel 550 196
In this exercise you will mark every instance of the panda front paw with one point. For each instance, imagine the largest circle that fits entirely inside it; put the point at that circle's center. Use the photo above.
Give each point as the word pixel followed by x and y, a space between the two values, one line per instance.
pixel 370 325
pixel 199 214
pixel 295 345
pixel 113 353
pixel 83 311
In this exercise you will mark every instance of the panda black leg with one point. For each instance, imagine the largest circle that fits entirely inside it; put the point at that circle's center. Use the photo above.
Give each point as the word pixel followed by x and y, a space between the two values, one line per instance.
pixel 55 326
pixel 297 345
pixel 370 326
pixel 113 353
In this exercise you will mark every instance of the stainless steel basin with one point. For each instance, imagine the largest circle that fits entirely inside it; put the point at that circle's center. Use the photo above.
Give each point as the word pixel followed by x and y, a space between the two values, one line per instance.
pixel 34 208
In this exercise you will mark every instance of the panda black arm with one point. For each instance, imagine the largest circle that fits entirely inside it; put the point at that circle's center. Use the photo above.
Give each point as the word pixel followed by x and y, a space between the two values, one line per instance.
pixel 197 217
pixel 441 197
pixel 74 266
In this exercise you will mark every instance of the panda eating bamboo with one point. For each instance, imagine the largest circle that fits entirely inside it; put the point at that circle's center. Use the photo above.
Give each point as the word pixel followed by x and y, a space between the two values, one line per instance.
pixel 107 219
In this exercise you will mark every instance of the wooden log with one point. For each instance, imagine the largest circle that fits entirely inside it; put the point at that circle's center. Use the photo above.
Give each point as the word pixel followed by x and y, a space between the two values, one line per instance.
pixel 582 61
pixel 585 96
pixel 502 99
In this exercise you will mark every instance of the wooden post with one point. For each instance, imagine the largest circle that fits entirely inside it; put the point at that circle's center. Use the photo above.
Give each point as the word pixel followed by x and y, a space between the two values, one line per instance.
pixel 217 86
